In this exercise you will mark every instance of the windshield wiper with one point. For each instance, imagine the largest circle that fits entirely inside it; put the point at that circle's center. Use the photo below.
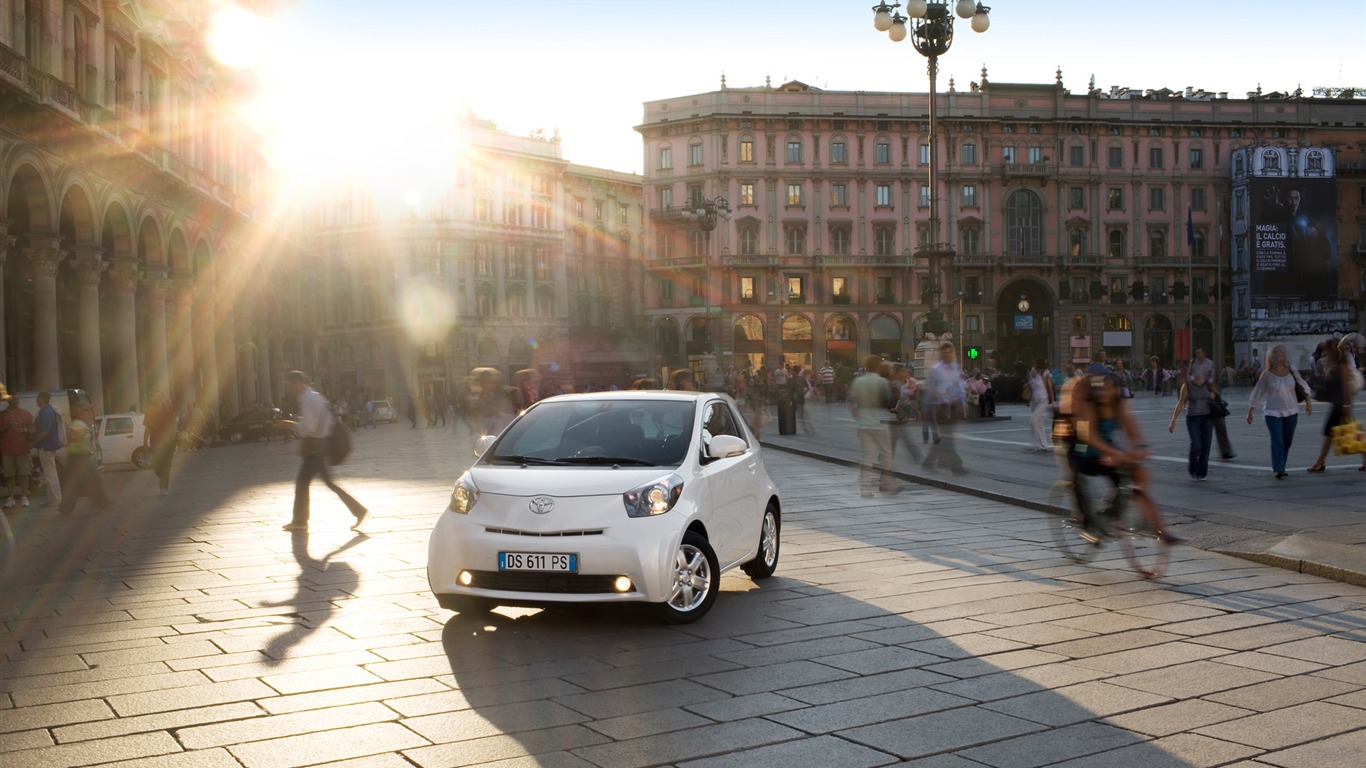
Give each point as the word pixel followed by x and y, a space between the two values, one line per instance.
pixel 524 460
pixel 606 460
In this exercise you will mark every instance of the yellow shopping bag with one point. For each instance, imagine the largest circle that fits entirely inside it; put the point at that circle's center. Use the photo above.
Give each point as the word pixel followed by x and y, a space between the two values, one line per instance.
pixel 1348 438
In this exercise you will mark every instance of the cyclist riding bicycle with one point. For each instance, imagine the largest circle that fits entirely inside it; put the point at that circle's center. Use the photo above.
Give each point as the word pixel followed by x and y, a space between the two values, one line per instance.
pixel 1098 415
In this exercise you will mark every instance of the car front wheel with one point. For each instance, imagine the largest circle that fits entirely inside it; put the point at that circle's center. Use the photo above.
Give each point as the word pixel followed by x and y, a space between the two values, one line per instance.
pixel 695 581
pixel 142 458
pixel 765 562
pixel 236 437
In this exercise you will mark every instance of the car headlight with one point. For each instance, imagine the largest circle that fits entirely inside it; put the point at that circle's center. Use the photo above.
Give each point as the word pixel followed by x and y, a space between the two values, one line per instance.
pixel 655 498
pixel 465 495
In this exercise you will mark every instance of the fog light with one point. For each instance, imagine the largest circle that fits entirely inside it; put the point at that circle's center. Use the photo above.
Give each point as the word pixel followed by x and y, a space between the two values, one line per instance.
pixel 622 584
pixel 466 578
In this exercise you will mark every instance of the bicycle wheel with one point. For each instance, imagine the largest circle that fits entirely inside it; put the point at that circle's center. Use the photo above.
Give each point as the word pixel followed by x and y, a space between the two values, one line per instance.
pixel 1067 529
pixel 1143 548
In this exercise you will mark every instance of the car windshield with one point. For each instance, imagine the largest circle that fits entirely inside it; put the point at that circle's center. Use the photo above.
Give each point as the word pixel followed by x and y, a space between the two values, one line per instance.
pixel 575 432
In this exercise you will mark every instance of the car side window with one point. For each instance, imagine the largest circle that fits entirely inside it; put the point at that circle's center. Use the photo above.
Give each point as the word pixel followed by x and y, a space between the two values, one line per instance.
pixel 118 426
pixel 718 420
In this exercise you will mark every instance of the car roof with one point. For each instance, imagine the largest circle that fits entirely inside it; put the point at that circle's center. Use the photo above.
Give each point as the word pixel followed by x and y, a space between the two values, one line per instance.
pixel 640 394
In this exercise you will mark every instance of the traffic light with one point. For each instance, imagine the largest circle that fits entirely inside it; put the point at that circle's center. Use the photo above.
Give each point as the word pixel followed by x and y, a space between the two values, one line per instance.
pixel 974 353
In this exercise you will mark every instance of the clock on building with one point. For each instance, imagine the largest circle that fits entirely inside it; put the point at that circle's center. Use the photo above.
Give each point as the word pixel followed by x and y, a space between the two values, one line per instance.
pixel 1023 306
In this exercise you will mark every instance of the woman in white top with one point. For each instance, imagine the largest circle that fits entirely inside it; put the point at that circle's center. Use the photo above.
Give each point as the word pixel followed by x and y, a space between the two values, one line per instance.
pixel 1275 392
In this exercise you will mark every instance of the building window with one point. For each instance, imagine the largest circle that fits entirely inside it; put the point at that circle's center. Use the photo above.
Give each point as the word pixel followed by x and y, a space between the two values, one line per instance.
pixel 666 290
pixel 924 196
pixel 839 290
pixel 1197 158
pixel 749 240
pixel 794 195
pixel 839 196
pixel 1154 157
pixel 597 210
pixel 794 151
pixel 1116 248
pixel 1157 198
pixel 969 195
pixel 882 153
pixel 884 241
pixel 483 264
pixel 1076 155
pixel 746 193
pixel 1198 198
pixel 1198 245
pixel 1157 244
pixel 666 197
pixel 924 154
pixel 838 152
pixel 1114 199
pixel 1077 242
pixel 694 154
pixel 1236 133
pixel 1114 157
pixel 578 207
pixel 699 244
pixel 839 240
pixel 1036 155
pixel 623 213
pixel 971 240
pixel 1024 224
pixel 796 289
pixel 666 158
pixel 747 289
pixel 1076 198
pixel 1008 155
pixel 694 195
pixel 885 289
pixel 746 150
pixel 884 196
pixel 970 154
pixel 483 209
pixel 796 240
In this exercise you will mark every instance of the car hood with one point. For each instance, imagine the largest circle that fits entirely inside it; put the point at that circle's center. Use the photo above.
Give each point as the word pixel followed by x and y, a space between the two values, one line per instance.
pixel 564 481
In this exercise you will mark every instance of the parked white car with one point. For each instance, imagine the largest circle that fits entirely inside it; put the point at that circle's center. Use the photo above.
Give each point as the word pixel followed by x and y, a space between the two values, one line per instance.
pixel 383 412
pixel 120 439
pixel 638 496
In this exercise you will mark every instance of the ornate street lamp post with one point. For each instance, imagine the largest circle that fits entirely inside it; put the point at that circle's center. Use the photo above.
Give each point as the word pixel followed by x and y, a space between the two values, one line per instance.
pixel 931 34
pixel 705 214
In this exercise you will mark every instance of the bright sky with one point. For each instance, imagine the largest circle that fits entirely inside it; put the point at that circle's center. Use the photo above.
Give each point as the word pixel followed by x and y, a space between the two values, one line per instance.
pixel 373 84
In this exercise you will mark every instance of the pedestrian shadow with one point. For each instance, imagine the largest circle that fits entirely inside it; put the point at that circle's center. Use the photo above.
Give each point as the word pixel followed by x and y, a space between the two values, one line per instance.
pixel 320 583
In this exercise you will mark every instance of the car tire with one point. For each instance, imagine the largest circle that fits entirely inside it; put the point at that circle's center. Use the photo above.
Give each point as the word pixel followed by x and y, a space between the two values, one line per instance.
pixel 236 437
pixel 142 458
pixel 765 561
pixel 694 583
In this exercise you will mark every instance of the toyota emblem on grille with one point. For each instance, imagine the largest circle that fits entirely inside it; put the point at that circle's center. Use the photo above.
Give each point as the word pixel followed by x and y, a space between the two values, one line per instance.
pixel 541 505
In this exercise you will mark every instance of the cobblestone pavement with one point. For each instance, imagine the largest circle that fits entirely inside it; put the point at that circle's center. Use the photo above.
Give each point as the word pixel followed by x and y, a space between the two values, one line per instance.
pixel 928 627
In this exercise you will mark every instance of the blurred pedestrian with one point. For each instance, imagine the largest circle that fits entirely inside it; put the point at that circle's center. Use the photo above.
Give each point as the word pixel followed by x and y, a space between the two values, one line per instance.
pixel 869 401
pixel 49 436
pixel 948 398
pixel 683 380
pixel 315 425
pixel 1275 392
pixel 1203 365
pixel 904 386
pixel 1196 396
pixel 81 477
pixel 1338 389
pixel 159 436
pixel 16 429
pixel 1040 401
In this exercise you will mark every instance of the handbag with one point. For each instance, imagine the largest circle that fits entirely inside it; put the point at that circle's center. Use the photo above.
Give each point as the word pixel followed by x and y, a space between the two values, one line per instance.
pixel 1218 408
pixel 338 443
pixel 1348 438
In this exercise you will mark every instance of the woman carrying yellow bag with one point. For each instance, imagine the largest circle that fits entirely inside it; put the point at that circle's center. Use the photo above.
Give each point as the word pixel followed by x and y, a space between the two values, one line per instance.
pixel 1338 389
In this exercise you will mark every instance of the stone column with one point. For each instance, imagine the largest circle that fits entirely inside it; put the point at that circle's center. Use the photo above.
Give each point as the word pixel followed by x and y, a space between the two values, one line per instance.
pixel 6 242
pixel 266 385
pixel 181 343
pixel 123 282
pixel 46 254
pixel 246 351
pixel 89 268
pixel 157 287
pixel 226 346
pixel 205 351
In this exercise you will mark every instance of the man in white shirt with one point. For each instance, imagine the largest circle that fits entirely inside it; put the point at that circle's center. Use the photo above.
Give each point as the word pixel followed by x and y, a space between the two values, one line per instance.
pixel 315 424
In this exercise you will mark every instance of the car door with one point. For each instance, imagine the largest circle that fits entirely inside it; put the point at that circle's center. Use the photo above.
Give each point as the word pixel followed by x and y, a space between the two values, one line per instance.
pixel 118 438
pixel 733 487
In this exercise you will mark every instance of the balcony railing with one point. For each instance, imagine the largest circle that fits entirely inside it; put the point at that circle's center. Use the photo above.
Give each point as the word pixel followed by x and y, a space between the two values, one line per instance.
pixel 1025 169
pixel 1029 260
pixel 749 260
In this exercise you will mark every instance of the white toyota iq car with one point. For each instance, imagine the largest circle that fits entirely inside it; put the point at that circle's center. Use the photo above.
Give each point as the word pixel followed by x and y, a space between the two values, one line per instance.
pixel 638 496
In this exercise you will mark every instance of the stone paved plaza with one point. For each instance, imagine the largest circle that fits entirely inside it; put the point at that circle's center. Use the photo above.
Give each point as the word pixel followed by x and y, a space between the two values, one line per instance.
pixel 928 628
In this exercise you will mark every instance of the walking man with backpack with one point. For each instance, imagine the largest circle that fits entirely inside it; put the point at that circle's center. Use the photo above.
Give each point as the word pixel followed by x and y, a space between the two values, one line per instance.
pixel 49 435
pixel 315 426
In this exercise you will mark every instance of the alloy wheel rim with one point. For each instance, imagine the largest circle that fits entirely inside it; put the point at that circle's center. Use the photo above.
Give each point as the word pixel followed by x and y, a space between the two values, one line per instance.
pixel 768 541
pixel 692 578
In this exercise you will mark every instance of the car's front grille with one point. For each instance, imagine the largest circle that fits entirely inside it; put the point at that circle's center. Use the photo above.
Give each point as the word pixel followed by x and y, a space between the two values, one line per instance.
pixel 558 583
pixel 548 534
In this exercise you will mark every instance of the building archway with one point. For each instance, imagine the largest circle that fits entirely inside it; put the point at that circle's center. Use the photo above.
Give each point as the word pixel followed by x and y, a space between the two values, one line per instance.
pixel 884 338
pixel 1202 334
pixel 841 341
pixel 1025 309
pixel 1158 339
pixel 748 343
pixel 668 345
pixel 796 347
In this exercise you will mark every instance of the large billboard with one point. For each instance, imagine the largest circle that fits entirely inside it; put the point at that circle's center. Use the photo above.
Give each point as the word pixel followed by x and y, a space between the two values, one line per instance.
pixel 1293 238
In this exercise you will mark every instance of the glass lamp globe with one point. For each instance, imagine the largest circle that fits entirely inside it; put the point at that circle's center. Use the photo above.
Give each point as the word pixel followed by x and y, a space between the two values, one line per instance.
pixel 897 32
pixel 882 21
pixel 965 9
pixel 915 9
pixel 980 22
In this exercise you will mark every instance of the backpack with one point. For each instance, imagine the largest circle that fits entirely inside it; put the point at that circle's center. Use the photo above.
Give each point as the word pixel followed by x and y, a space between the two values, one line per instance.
pixel 338 443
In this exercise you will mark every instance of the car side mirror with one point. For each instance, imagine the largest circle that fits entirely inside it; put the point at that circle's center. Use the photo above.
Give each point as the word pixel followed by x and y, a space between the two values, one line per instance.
pixel 725 446
pixel 482 444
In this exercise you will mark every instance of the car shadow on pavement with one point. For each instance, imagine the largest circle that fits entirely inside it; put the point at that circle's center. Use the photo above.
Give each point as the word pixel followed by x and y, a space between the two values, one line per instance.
pixel 320 583
pixel 779 672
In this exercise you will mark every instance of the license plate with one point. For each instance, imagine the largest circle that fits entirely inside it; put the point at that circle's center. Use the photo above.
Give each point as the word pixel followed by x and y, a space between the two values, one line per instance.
pixel 537 561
